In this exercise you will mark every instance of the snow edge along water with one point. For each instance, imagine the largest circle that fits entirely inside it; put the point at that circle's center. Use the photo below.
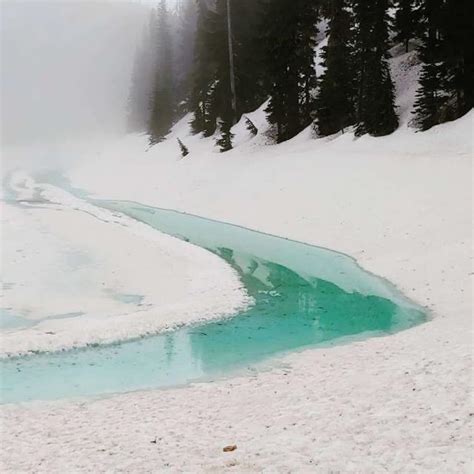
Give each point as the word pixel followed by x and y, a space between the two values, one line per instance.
pixel 213 291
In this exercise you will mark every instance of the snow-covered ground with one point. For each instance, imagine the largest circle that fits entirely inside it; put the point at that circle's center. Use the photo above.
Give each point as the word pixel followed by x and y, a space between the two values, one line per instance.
pixel 401 205
pixel 75 274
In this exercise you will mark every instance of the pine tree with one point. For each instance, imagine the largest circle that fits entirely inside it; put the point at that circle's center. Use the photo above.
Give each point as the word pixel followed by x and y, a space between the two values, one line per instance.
pixel 221 99
pixel 308 17
pixel 198 80
pixel 279 28
pixel 211 96
pixel 184 42
pixel 141 86
pixel 429 105
pixel 335 101
pixel 137 106
pixel 445 91
pixel 203 93
pixel 375 99
pixel 432 94
pixel 290 30
pixel 224 142
pixel 459 53
pixel 248 55
pixel 162 106
pixel 406 21
pixel 250 126
pixel 183 148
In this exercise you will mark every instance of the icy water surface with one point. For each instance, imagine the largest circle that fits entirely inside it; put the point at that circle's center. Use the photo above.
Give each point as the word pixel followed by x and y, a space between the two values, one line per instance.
pixel 305 296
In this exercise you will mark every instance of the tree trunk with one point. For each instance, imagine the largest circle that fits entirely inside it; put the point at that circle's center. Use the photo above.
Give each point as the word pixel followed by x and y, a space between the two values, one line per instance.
pixel 231 64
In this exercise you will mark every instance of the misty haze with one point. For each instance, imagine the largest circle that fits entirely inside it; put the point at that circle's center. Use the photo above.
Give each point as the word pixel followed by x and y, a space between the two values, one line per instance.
pixel 66 68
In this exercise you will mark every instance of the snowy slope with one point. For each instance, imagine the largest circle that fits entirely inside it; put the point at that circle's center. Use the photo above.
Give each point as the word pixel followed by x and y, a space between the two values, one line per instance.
pixel 401 205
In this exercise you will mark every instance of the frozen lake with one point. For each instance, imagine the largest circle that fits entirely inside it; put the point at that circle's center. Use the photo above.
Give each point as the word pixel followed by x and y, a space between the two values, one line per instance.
pixel 304 296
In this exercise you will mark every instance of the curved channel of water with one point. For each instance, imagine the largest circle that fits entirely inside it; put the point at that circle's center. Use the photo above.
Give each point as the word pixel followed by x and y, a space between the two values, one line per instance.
pixel 304 296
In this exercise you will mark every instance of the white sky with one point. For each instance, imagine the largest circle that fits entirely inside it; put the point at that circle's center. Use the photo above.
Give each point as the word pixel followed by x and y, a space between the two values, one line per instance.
pixel 65 67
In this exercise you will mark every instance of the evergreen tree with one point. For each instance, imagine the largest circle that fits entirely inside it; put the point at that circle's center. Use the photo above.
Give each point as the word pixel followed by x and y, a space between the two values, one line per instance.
pixel 308 18
pixel 248 55
pixel 183 53
pixel 335 101
pixel 141 86
pixel 290 30
pixel 375 100
pixel 183 148
pixel 221 99
pixel 429 105
pixel 203 90
pixel 406 21
pixel 224 142
pixel 326 8
pixel 431 95
pixel 459 53
pixel 445 91
pixel 279 27
pixel 250 126
pixel 162 106
pixel 137 108
pixel 211 96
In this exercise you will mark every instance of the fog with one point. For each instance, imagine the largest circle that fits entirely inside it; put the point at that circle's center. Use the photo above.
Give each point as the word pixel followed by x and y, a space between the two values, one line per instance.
pixel 66 68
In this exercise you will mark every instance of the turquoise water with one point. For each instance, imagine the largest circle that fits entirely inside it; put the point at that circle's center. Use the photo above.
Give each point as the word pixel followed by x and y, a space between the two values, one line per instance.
pixel 304 296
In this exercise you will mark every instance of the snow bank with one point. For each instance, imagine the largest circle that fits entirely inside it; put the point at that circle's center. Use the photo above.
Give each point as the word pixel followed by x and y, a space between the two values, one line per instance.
pixel 77 275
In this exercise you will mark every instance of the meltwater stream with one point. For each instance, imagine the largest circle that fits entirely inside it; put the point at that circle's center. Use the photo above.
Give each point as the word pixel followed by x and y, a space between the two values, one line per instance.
pixel 304 296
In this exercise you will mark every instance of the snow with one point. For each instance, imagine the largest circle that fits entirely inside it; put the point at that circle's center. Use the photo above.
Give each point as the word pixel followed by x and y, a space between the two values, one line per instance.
pixel 401 205
pixel 74 288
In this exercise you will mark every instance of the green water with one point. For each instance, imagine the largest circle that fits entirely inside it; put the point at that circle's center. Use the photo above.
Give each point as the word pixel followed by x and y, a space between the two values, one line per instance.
pixel 304 296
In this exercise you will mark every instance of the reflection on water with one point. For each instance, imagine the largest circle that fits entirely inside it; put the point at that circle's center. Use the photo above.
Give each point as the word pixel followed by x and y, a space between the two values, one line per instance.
pixel 304 296
pixel 299 313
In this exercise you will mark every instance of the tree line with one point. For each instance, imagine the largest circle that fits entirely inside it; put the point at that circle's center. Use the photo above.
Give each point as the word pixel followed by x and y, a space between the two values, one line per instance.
pixel 185 65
